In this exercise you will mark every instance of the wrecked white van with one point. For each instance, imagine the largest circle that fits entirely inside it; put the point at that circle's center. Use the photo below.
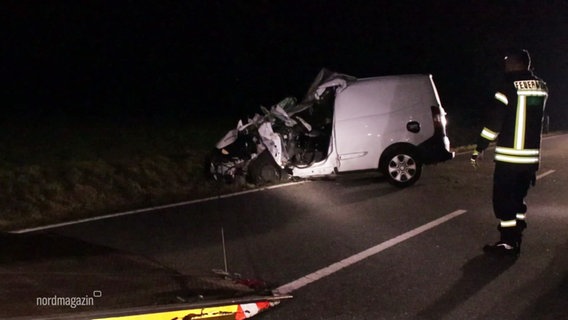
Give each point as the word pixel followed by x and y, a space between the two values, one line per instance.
pixel 395 124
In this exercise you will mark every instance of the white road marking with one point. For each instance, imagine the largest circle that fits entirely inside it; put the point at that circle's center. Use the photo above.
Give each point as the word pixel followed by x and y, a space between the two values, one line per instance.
pixel 542 175
pixel 324 272
pixel 167 206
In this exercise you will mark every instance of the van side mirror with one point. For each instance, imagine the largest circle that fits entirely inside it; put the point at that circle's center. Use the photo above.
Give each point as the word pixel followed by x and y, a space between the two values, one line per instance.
pixel 413 126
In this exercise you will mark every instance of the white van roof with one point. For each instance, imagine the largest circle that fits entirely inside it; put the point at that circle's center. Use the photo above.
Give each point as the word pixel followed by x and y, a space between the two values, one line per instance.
pixel 384 94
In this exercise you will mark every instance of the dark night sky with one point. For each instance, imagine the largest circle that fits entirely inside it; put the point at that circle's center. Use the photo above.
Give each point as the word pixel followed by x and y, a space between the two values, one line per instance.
pixel 187 58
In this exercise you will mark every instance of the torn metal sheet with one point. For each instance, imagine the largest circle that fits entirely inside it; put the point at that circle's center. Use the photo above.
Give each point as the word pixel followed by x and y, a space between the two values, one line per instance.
pixel 292 134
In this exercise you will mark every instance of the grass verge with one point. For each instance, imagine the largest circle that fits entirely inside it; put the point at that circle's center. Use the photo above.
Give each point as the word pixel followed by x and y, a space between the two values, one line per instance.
pixel 68 170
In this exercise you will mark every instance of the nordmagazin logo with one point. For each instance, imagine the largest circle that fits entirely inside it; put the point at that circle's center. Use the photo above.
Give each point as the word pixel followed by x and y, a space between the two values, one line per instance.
pixel 71 302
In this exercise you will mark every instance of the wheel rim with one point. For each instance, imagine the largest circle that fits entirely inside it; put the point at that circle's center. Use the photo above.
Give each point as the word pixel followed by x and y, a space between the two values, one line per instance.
pixel 402 168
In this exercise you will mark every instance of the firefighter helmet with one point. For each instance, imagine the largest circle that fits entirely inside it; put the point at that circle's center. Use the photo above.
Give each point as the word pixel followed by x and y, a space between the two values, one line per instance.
pixel 518 59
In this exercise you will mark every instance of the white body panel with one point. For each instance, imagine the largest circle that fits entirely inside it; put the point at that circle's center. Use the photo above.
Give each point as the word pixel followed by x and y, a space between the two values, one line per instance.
pixel 372 114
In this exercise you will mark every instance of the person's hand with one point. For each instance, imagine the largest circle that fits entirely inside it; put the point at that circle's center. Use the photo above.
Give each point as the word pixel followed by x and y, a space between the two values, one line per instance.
pixel 476 156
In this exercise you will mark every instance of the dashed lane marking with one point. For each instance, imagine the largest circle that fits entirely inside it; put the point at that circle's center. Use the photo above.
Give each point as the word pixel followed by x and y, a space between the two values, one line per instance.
pixel 542 175
pixel 324 272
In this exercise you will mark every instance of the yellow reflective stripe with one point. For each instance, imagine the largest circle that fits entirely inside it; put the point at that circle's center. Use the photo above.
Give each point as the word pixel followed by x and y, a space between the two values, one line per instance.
pixel 532 93
pixel 514 159
pixel 196 313
pixel 520 123
pixel 521 216
pixel 517 152
pixel 511 155
pixel 502 98
pixel 509 223
pixel 488 134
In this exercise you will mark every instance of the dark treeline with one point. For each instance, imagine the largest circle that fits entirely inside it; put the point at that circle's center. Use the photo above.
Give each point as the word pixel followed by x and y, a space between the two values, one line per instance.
pixel 128 60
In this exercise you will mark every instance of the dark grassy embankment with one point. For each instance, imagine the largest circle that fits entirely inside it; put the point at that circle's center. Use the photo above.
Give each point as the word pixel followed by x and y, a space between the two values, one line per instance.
pixel 60 170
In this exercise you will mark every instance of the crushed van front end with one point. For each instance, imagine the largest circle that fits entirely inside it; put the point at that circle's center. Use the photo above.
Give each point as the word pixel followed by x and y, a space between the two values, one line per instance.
pixel 288 139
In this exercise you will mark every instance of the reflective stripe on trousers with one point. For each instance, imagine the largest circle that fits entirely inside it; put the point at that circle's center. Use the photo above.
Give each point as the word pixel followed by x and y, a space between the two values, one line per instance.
pixel 518 156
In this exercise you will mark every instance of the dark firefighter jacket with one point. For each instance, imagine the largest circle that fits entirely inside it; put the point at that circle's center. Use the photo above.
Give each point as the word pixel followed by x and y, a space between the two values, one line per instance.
pixel 516 119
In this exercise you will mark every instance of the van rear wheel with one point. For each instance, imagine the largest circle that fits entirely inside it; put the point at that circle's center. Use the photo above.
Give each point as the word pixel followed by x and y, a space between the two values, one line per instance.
pixel 401 166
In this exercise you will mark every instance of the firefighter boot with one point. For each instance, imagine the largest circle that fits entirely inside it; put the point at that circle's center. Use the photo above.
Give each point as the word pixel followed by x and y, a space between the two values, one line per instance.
pixel 508 245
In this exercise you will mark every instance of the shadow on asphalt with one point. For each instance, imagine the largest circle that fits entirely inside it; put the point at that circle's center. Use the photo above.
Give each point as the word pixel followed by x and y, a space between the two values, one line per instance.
pixel 477 273
pixel 39 266
pixel 18 248
pixel 357 179
pixel 358 187
pixel 551 304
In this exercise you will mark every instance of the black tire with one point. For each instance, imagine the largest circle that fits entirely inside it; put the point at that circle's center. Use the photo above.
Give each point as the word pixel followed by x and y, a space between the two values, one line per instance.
pixel 401 166
pixel 264 169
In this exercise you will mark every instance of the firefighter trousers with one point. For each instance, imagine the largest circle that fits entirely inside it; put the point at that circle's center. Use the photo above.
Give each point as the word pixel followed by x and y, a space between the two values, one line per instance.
pixel 511 183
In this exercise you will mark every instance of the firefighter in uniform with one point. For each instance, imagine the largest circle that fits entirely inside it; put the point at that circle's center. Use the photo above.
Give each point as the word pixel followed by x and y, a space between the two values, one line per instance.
pixel 515 122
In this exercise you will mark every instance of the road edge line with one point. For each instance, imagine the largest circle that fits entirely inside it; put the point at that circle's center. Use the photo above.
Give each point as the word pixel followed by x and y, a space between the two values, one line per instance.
pixel 166 206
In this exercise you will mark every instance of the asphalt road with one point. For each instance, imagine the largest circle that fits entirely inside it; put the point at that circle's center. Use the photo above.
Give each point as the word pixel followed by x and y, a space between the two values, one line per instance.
pixel 424 260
